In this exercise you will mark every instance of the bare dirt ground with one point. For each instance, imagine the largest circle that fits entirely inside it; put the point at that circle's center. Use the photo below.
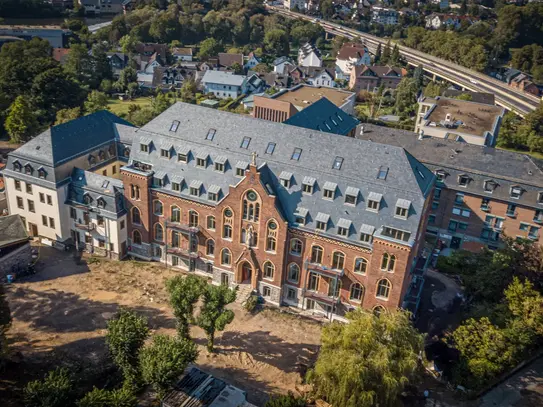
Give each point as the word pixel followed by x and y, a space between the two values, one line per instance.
pixel 60 314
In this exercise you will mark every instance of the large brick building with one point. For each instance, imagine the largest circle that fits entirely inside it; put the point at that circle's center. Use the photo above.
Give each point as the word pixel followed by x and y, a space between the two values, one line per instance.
pixel 480 193
pixel 309 219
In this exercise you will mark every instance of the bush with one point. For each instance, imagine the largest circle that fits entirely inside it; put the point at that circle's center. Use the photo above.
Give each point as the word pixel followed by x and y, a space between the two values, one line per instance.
pixel 251 303
pixel 286 401
pixel 55 390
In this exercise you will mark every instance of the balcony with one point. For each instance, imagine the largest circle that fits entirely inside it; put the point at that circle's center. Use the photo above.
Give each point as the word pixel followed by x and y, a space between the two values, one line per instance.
pixel 320 297
pixel 182 227
pixel 180 251
pixel 323 270
pixel 485 208
pixel 85 226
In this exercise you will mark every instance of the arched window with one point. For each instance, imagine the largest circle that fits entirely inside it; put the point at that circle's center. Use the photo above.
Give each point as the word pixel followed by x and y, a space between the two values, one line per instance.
pixel 227 232
pixel 296 247
pixel 388 262
pixel 136 237
pixel 127 152
pixel 175 214
pixel 211 222
pixel 269 270
pixel 383 289
pixel 193 219
pixel 271 244
pixel 356 292
pixel 334 288
pixel 316 254
pixel 338 260
pixel 87 199
pixel 136 218
pixel 293 273
pixel 360 265
pixel 226 257
pixel 378 310
pixel 210 247
pixel 251 208
pixel 158 208
pixel 134 192
pixel 159 232
pixel 176 239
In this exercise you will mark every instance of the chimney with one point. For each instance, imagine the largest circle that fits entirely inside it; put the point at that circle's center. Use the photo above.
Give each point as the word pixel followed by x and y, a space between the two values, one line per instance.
pixel 362 130
pixel 421 134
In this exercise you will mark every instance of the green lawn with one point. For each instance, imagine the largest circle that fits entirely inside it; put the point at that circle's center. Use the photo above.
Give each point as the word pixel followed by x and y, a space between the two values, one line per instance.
pixel 121 107
pixel 534 154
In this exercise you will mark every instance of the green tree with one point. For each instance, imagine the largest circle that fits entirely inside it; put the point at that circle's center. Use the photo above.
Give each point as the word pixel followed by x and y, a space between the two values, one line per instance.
pixel 21 123
pixel 184 293
pixel 276 42
pixel 262 68
pixel 209 47
pixel 95 102
pixel 378 55
pixel 213 315
pixel 164 360
pixel 160 103
pixel 5 323
pixel 66 115
pixel 288 400
pixel 327 8
pixel 418 76
pixel 525 304
pixel 126 334
pixel 385 57
pixel 237 68
pixel 128 44
pixel 55 390
pixel 368 361
pixel 132 90
pixel 406 97
pixel 395 56
pixel 80 64
pixel 123 397
pixel 432 90
pixel 127 76
pixel 100 63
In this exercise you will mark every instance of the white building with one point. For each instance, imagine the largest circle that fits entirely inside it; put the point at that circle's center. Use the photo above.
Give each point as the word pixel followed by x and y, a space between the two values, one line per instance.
pixel 294 4
pixel 385 16
pixel 47 178
pixel 283 65
pixel 351 54
pixel 309 55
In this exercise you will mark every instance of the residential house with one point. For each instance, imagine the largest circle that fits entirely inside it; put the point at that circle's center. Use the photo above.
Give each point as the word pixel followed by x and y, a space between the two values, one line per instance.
pixel 309 55
pixel 172 77
pixel 316 76
pixel 102 6
pixel 251 62
pixel 437 20
pixel 351 54
pixel 147 71
pixel 370 78
pixel 296 5
pixel 460 120
pixel 480 193
pixel 385 16
pixel 15 250
pixel 254 84
pixel 304 218
pixel 39 175
pixel 524 83
pixel 60 54
pixel 283 65
pixel 118 61
pixel 224 84
pixel 325 116
pixel 146 50
pixel 182 54
pixel 227 60
pixel 128 5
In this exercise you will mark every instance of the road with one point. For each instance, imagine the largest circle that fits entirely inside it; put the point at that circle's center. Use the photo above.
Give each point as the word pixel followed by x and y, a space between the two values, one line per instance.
pixel 506 96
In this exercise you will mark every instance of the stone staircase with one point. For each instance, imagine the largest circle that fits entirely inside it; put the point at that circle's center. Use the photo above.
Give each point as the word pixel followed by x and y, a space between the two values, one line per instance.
pixel 244 292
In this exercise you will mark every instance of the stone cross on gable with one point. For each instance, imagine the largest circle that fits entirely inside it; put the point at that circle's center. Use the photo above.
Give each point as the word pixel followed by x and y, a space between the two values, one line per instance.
pixel 254 155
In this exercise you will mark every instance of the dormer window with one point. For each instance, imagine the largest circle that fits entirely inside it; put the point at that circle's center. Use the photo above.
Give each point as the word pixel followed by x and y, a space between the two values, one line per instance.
pixel 28 169
pixel 540 198
pixel 111 150
pixel 41 173
pixel 220 164
pixel 366 233
pixel 463 180
pixel 374 201
pixel 440 175
pixel 127 152
pixel 300 216
pixel 402 208
pixel 351 195
pixel 321 221
pixel 307 185
pixel 241 166
pixel 213 193
pixel 101 203
pixel 182 158
pixel 145 145
pixel 516 192
pixel 343 227
pixel 164 153
pixel 195 187
pixel 17 166
pixel 101 155
pixel 489 186
pixel 285 178
pixel 87 199
pixel 329 190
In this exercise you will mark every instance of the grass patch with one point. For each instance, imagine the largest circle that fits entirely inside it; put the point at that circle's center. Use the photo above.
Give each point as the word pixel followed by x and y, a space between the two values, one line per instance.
pixel 534 154
pixel 118 107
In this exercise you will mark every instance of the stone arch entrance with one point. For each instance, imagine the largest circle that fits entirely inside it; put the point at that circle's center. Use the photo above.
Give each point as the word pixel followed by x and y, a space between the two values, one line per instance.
pixel 245 272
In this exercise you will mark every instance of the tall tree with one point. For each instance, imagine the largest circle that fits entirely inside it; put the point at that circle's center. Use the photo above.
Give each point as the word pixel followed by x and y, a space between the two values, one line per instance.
pixel 164 360
pixel 55 390
pixel 368 361
pixel 66 115
pixel 127 76
pixel 209 47
pixel 21 123
pixel 80 64
pixel 276 41
pixel 5 323
pixel 395 56
pixel 126 334
pixel 378 55
pixel 184 293
pixel 418 76
pixel 95 102
pixel 123 397
pixel 406 97
pixel 214 316
pixel 385 58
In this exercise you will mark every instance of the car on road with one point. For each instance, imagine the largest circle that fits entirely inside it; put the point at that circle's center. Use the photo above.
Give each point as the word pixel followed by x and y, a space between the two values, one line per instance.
pixel 474 81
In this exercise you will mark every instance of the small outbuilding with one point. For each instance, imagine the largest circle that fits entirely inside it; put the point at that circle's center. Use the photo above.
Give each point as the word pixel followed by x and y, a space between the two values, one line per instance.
pixel 15 251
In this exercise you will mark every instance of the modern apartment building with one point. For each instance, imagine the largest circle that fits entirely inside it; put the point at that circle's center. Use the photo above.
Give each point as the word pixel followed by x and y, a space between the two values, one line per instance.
pixel 480 191
pixel 309 219
pixel 65 184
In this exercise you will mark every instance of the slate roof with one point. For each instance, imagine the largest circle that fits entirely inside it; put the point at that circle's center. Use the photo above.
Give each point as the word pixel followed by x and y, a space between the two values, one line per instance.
pixel 282 59
pixel 325 116
pixel 407 178
pixel 478 162
pixel 307 49
pixel 224 78
pixel 12 230
pixel 97 186
pixel 65 141
pixel 379 70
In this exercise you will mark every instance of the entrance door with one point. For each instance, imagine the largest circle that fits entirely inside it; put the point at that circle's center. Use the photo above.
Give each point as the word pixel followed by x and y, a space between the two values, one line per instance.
pixel 456 242
pixel 33 229
pixel 246 271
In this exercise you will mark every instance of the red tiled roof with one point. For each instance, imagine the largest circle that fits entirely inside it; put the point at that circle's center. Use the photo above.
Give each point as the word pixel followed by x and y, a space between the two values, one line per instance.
pixel 351 50
pixel 59 53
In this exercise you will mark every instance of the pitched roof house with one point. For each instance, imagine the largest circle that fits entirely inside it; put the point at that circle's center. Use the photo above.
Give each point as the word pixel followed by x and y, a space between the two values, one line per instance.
pixel 309 55
pixel 370 78
pixel 351 54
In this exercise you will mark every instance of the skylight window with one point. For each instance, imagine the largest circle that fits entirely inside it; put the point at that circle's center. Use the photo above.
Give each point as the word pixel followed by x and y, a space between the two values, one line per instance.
pixel 383 172
pixel 338 162
pixel 245 142
pixel 296 154
pixel 175 125
pixel 270 148
pixel 211 134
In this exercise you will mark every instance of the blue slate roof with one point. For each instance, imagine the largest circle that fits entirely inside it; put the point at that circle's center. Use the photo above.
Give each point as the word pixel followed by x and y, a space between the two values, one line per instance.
pixel 323 115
